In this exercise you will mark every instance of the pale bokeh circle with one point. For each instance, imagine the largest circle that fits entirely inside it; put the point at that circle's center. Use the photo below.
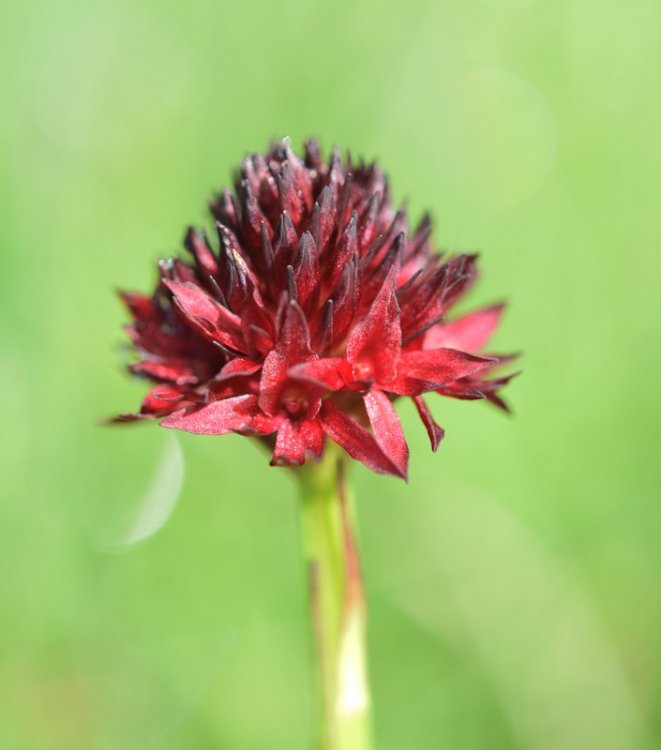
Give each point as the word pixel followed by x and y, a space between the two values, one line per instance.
pixel 153 509
pixel 505 136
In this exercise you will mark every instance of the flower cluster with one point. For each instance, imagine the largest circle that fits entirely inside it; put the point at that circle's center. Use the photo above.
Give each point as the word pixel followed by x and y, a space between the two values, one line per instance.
pixel 314 311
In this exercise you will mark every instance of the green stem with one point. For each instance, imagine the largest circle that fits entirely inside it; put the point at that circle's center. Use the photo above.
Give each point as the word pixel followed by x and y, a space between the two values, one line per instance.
pixel 337 605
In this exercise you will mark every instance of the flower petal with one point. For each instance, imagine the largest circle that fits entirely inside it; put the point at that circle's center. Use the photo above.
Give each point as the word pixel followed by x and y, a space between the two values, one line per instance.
pixel 378 336
pixel 272 381
pixel 294 339
pixel 178 371
pixel 435 431
pixel 217 418
pixel 141 307
pixel 126 417
pixel 476 388
pixel 196 243
pixel 315 438
pixel 295 439
pixel 345 297
pixel 208 317
pixel 306 268
pixel 293 347
pixel 160 401
pixel 237 367
pixel 356 440
pixel 427 297
pixel 326 373
pixel 387 429
pixel 470 332
pixel 429 370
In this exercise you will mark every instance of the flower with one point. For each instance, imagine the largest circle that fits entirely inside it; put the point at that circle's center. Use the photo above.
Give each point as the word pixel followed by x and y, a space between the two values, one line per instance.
pixel 314 312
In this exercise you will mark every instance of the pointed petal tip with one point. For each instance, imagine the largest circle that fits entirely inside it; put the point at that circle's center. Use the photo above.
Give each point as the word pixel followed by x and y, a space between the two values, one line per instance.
pixel 434 431
pixel 358 442
pixel 387 430
pixel 123 418
pixel 403 475
pixel 283 462
pixel 500 404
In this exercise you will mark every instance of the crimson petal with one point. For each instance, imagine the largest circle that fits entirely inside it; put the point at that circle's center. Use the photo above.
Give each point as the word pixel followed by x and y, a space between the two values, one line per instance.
pixel 272 381
pixel 356 440
pixel 387 429
pixel 378 336
pixel 326 373
pixel 140 306
pixel 294 339
pixel 178 371
pixel 435 431
pixel 295 439
pixel 470 332
pixel 217 418
pixel 292 348
pixel 210 319
pixel 429 370
pixel 236 368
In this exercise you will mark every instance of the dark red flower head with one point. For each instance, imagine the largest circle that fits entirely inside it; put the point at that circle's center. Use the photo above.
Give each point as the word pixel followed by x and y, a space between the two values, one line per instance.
pixel 313 310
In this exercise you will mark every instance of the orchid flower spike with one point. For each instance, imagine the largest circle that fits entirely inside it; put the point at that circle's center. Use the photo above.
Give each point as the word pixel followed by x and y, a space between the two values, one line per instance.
pixel 311 313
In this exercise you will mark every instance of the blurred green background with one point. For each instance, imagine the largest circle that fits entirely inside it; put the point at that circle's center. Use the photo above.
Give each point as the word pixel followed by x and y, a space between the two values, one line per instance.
pixel 514 583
